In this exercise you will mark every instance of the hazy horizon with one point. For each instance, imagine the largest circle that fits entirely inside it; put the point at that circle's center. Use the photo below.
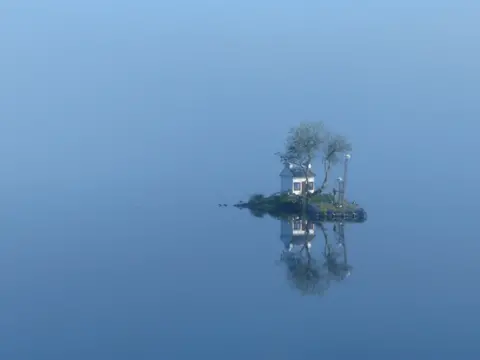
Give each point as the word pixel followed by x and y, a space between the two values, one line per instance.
pixel 124 124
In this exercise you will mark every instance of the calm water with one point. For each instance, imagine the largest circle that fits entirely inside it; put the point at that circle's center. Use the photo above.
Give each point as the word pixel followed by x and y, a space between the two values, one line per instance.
pixel 119 276
pixel 122 127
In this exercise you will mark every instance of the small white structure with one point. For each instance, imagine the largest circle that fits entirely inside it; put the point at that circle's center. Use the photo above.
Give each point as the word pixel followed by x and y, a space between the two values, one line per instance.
pixel 292 179
pixel 293 233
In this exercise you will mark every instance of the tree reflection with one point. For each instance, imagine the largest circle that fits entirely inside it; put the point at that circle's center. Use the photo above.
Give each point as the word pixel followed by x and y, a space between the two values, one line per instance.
pixel 310 274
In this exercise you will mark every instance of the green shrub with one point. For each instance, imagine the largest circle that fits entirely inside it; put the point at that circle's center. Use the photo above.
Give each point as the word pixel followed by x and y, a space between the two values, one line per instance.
pixel 256 198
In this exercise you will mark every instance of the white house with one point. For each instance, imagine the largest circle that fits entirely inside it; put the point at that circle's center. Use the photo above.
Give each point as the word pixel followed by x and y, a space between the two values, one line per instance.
pixel 293 233
pixel 292 179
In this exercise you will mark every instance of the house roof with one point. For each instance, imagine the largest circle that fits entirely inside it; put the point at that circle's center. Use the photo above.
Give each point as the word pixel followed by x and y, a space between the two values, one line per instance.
pixel 296 172
pixel 297 239
pixel 300 239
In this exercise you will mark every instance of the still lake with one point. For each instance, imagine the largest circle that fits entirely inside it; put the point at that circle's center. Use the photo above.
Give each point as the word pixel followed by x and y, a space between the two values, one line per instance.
pixel 120 275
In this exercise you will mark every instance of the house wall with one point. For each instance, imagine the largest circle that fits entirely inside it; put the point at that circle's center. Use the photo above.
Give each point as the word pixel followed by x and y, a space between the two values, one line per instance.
pixel 300 231
pixel 287 229
pixel 303 179
pixel 286 183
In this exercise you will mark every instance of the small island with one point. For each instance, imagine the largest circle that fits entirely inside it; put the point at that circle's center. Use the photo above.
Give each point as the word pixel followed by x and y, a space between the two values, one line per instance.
pixel 299 197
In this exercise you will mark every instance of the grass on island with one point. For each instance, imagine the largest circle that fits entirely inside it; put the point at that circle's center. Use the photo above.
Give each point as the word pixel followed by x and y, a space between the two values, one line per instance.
pixel 291 202
pixel 285 205
pixel 326 202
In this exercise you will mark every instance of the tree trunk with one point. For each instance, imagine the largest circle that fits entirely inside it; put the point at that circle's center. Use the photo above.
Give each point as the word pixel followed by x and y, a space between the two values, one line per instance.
pixel 305 193
pixel 325 237
pixel 325 179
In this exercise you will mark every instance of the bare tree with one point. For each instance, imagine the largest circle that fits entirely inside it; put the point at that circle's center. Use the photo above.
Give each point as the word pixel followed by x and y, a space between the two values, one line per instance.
pixel 302 146
pixel 333 147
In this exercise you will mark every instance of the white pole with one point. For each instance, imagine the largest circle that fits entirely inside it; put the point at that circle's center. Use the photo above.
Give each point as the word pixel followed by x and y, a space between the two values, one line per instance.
pixel 345 170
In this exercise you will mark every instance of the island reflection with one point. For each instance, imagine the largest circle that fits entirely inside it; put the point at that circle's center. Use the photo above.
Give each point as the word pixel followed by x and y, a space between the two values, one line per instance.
pixel 312 269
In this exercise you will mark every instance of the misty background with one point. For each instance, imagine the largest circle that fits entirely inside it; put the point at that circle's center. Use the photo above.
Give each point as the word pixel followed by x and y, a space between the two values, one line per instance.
pixel 123 124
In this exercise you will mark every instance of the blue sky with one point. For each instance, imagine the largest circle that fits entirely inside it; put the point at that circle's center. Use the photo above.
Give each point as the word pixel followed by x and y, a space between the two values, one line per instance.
pixel 108 90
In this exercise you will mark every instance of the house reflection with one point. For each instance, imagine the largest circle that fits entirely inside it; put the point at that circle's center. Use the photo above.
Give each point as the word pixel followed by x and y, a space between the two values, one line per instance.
pixel 312 269
pixel 293 233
